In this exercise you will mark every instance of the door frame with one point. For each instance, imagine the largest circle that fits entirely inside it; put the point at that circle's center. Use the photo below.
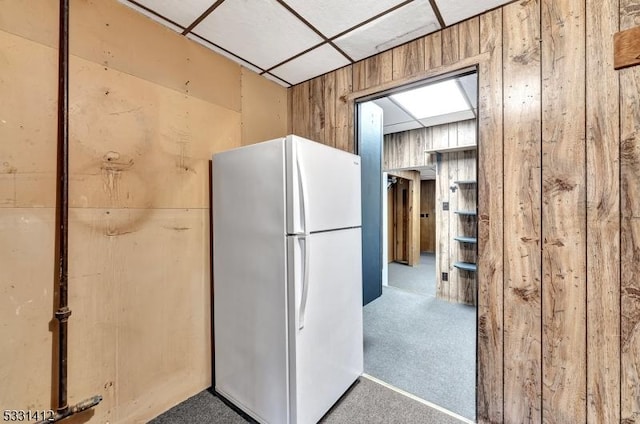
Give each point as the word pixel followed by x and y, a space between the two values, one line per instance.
pixel 446 72
pixel 358 98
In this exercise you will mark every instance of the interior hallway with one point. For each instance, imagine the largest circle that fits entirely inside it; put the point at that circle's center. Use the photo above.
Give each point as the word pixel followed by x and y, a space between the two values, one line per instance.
pixel 421 344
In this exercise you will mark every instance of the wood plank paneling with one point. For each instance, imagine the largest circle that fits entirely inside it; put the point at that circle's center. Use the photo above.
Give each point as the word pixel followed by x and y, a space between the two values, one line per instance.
pixel 454 219
pixel 405 150
pixel 433 50
pixel 408 59
pixel 443 218
pixel 490 219
pixel 469 37
pixel 344 109
pixel 630 227
pixel 555 196
pixel 450 45
pixel 329 100
pixel 301 109
pixel 522 261
pixel 563 212
pixel 316 99
pixel 373 71
pixel 603 215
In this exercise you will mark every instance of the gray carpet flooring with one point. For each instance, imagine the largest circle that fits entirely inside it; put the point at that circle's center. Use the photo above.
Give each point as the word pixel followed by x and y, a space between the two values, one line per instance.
pixel 413 341
pixel 423 346
pixel 419 279
pixel 366 403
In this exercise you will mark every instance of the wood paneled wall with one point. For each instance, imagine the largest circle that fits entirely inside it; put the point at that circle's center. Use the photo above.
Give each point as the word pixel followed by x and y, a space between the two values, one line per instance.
pixel 147 109
pixel 559 184
pixel 407 150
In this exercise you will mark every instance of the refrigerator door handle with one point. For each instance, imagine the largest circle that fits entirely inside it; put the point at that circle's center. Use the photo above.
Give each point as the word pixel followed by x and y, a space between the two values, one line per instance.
pixel 304 194
pixel 305 281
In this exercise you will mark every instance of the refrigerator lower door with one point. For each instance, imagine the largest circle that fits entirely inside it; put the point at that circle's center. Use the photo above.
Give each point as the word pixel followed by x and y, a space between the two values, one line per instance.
pixel 326 345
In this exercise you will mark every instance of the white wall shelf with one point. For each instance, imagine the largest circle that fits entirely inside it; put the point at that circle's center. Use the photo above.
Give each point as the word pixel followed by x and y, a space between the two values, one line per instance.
pixel 452 149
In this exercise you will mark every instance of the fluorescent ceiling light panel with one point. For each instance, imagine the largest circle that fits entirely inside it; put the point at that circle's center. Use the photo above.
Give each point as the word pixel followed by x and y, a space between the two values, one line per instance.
pixel 448 118
pixel 182 12
pixel 332 17
pixel 469 84
pixel 318 61
pixel 406 23
pixel 459 10
pixel 432 100
pixel 391 113
pixel 260 31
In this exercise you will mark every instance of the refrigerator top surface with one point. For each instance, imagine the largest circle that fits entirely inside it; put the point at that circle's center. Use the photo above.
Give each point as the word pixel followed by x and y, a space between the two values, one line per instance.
pixel 321 184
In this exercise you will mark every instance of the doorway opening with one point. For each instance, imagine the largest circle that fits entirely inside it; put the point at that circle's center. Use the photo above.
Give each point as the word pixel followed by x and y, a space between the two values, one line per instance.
pixel 418 145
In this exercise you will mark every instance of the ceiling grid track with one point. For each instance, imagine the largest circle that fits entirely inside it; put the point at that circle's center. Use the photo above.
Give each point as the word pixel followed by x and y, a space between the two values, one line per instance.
pixel 153 12
pixel 314 29
pixel 202 17
pixel 436 10
pixel 317 40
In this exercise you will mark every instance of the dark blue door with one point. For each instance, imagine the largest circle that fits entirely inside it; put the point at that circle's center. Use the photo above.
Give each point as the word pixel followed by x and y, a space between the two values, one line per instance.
pixel 370 150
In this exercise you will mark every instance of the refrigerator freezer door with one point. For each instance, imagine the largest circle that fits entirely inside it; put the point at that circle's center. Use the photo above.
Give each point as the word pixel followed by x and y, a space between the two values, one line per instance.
pixel 327 352
pixel 323 182
pixel 250 286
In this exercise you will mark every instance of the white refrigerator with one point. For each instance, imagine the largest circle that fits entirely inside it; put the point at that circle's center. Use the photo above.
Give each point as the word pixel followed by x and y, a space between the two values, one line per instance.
pixel 287 278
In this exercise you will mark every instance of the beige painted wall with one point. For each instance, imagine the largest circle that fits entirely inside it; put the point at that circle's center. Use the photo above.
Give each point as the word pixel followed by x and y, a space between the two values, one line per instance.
pixel 147 109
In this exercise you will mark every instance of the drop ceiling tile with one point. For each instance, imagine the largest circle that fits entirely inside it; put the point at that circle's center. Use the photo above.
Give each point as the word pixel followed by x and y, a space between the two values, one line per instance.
pixel 182 12
pixel 223 53
pixel 448 118
pixel 151 15
pixel 332 17
pixel 403 24
pixel 391 113
pixel 403 126
pixel 316 62
pixel 459 10
pixel 260 31
pixel 469 84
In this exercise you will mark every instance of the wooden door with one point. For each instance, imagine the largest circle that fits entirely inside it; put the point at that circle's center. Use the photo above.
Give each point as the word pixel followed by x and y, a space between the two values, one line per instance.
pixel 401 220
pixel 391 202
pixel 428 216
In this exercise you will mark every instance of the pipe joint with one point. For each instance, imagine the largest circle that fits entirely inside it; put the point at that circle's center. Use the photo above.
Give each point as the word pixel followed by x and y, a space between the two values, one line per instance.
pixel 62 314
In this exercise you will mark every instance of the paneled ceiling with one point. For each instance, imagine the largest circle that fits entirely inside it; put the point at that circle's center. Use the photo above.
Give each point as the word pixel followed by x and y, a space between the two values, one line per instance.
pixel 291 41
